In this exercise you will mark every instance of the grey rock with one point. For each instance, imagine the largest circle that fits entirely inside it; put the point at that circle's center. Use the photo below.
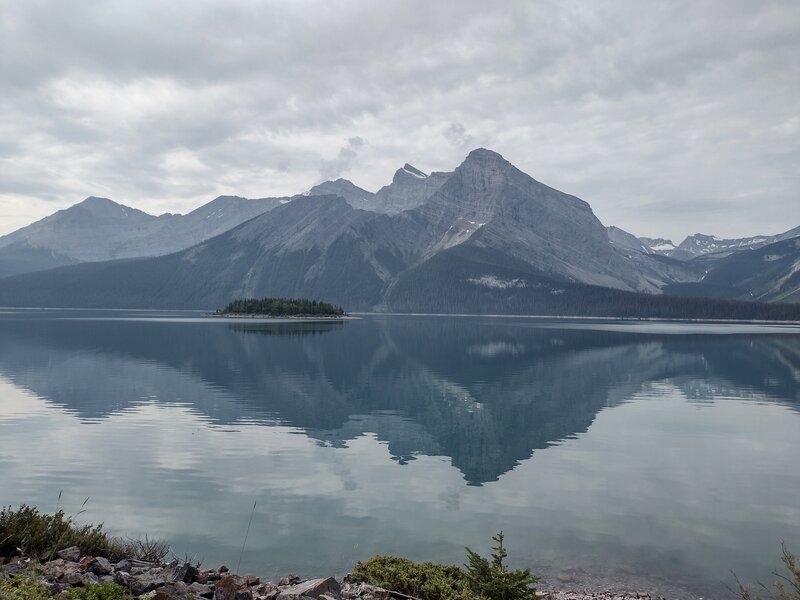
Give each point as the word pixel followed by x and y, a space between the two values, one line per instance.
pixel 12 568
pixel 147 581
pixel 90 579
pixel 185 572
pixel 201 590
pixel 73 577
pixel 73 553
pixel 123 565
pixel 312 588
pixel 227 589
pixel 100 566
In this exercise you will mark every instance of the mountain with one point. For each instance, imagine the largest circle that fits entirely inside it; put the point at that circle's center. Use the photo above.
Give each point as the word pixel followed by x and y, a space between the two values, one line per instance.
pixel 99 229
pixel 489 203
pixel 709 245
pixel 623 239
pixel 658 245
pixel 489 239
pixel 409 188
pixel 354 195
pixel 770 274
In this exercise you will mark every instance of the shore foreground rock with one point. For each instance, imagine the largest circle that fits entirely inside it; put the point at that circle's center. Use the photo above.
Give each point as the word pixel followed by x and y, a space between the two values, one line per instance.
pixel 182 580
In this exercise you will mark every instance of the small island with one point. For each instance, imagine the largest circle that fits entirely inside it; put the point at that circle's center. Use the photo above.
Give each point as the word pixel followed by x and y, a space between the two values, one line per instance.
pixel 281 308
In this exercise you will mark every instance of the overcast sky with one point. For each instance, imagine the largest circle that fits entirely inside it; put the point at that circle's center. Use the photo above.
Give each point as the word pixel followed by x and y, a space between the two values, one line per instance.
pixel 667 117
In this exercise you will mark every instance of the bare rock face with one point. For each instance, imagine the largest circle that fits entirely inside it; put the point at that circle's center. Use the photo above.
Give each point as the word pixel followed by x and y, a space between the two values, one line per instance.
pixel 409 189
pixel 354 195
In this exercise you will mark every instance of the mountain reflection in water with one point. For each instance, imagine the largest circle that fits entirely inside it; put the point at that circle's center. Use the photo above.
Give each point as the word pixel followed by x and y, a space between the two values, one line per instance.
pixel 483 394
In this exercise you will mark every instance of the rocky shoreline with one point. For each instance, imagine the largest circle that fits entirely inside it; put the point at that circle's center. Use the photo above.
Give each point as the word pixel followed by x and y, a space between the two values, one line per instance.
pixel 183 580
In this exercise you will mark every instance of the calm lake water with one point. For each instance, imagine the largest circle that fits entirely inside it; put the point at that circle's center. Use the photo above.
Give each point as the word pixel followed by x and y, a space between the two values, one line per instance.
pixel 610 453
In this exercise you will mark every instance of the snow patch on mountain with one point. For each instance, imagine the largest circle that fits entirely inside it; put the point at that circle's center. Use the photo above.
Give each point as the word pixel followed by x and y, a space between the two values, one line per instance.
pixel 491 281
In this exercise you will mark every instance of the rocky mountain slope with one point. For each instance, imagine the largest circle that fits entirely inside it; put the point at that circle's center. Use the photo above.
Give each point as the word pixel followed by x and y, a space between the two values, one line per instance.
pixel 702 245
pixel 489 238
pixel 658 245
pixel 768 274
pixel 99 229
pixel 409 188
pixel 623 239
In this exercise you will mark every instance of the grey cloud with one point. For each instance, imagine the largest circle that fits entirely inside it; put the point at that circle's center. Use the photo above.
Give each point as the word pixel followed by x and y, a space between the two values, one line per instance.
pixel 457 135
pixel 631 106
pixel 333 169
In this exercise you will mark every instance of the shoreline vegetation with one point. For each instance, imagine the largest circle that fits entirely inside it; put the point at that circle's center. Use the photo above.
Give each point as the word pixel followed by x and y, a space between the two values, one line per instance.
pixel 281 308
pixel 51 557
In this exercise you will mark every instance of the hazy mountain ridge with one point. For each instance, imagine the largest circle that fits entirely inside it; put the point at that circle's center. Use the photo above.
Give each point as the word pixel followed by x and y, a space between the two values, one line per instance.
pixel 770 273
pixel 702 245
pixel 490 238
pixel 99 229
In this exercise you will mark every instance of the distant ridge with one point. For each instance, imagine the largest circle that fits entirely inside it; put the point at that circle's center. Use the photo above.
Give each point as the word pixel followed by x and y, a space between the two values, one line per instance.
pixel 99 229
pixel 486 238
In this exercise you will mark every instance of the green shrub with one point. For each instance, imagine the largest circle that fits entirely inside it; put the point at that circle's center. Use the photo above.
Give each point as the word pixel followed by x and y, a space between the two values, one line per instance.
pixel 482 579
pixel 40 536
pixel 23 587
pixel 427 581
pixel 492 580
pixel 101 591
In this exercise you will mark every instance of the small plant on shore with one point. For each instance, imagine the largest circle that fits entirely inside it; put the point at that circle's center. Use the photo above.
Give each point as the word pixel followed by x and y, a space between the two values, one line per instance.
pixel 785 587
pixel 141 549
pixel 100 591
pixel 492 580
pixel 28 532
pixel 481 579
pixel 427 581
pixel 23 587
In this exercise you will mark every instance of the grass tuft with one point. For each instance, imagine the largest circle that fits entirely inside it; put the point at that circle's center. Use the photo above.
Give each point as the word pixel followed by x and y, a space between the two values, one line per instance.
pixel 28 532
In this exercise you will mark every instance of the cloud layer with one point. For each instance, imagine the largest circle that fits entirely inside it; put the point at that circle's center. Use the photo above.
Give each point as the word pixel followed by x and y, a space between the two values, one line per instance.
pixel 668 118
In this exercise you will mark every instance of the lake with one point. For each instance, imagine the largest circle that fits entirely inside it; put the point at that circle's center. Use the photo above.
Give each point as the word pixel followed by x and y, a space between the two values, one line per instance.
pixel 640 455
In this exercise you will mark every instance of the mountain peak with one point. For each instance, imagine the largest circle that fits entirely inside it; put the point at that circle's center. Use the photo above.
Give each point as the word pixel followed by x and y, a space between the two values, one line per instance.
pixel 97 201
pixel 484 154
pixel 484 160
pixel 412 170
pixel 408 174
pixel 103 207
pixel 345 188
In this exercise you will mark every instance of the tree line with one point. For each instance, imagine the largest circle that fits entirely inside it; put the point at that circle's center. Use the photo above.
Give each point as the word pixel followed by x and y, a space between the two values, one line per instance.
pixel 280 307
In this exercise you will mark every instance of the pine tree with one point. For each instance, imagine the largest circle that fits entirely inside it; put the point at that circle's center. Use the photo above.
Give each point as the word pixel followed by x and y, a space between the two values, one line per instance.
pixel 493 581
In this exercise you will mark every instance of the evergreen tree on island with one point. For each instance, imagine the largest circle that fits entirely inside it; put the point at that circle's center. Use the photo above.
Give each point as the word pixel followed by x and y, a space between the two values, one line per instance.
pixel 282 307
